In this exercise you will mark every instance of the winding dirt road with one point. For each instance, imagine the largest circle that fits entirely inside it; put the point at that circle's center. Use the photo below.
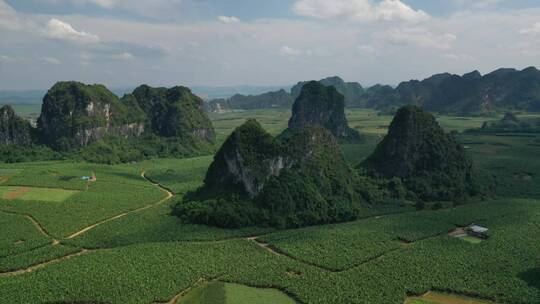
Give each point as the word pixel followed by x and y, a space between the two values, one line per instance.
pixel 168 197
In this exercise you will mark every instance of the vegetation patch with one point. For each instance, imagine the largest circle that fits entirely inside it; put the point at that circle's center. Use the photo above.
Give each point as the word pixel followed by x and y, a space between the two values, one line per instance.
pixel 229 293
pixel 471 239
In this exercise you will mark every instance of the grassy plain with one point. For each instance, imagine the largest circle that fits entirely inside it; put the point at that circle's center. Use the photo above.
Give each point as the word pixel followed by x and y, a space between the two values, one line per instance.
pixel 116 242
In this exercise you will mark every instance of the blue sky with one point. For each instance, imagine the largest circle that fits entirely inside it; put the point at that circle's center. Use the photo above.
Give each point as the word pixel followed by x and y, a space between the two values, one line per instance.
pixel 260 42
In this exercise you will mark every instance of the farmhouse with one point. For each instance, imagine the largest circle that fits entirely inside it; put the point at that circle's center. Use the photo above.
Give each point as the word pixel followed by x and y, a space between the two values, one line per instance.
pixel 472 231
pixel 477 231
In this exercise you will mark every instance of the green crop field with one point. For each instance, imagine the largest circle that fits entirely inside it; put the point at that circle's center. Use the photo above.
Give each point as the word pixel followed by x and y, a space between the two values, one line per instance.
pixel 114 240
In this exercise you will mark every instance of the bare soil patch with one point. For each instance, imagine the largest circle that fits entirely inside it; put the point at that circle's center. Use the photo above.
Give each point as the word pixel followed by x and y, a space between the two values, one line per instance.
pixel 16 193
pixel 458 232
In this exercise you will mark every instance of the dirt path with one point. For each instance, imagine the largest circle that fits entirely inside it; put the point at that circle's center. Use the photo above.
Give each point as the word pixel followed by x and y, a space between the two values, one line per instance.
pixel 184 292
pixel 38 226
pixel 45 264
pixel 266 246
pixel 169 196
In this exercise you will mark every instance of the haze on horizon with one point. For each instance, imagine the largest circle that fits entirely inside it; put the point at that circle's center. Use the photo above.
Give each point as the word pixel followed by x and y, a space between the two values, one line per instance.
pixel 123 43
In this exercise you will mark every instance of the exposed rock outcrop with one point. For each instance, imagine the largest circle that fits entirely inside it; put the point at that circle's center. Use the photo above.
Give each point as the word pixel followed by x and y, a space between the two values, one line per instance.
pixel 246 160
pixel 320 105
pixel 14 130
pixel 430 162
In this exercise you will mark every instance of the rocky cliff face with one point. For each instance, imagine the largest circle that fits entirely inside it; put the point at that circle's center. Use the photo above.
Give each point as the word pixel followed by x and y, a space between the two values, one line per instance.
pixel 292 181
pixel 13 129
pixel 174 112
pixel 319 105
pixel 245 161
pixel 430 162
pixel 74 115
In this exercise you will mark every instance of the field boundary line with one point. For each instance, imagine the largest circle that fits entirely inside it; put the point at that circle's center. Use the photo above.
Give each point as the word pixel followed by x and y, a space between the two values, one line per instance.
pixel 39 227
pixel 163 189
pixel 279 252
pixel 45 264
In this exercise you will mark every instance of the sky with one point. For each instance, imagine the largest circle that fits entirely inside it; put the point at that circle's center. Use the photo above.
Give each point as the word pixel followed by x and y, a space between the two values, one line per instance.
pixel 124 43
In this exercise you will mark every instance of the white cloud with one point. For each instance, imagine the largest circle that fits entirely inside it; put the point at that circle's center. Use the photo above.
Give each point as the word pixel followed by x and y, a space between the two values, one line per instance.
pixel 289 51
pixel 367 49
pixel 58 29
pixel 11 59
pixel 51 60
pixel 419 37
pixel 359 10
pixel 228 19
pixel 124 56
pixel 103 3
pixel 459 57
pixel 533 30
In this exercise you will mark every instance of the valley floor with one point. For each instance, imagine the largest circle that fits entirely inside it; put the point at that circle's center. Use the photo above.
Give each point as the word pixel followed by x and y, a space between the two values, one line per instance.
pixel 113 240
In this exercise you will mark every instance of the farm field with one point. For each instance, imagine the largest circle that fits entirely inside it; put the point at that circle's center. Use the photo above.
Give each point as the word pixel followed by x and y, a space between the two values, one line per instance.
pixel 113 240
pixel 227 293
pixel 35 194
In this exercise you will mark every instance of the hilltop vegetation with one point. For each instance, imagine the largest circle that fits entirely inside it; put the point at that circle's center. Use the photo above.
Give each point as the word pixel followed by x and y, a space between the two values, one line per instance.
pixel 301 178
pixel 13 129
pixel 351 91
pixel 256 179
pixel 510 123
pixel 90 122
pixel 431 163
pixel 320 105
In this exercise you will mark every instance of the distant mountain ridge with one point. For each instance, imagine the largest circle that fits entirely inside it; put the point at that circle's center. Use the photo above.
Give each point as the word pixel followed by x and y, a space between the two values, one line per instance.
pixel 469 94
pixel 352 91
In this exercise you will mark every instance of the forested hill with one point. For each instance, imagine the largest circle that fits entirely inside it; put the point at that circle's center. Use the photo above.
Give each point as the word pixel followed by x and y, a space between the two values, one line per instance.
pixel 469 94
pixel 90 122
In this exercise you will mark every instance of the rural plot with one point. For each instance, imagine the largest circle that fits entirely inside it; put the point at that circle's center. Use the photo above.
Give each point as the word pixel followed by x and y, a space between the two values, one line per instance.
pixel 228 293
pixel 35 194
